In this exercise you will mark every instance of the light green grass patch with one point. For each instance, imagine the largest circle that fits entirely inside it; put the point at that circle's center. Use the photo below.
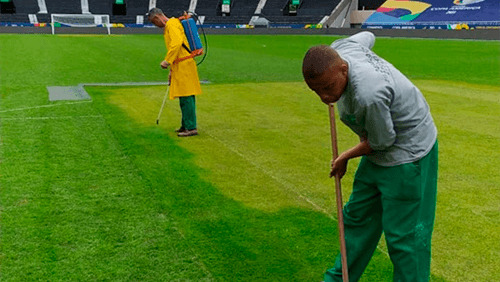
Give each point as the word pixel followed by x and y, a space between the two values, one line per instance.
pixel 267 145
pixel 468 208
pixel 255 221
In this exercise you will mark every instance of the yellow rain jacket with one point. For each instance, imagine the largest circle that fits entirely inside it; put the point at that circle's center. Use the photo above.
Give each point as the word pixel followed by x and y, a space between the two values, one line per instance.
pixel 184 81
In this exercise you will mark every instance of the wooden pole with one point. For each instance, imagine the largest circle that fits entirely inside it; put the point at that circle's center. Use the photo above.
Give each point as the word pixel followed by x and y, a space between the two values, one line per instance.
pixel 338 193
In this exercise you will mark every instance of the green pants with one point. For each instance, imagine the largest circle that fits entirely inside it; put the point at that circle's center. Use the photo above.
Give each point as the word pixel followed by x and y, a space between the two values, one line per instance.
pixel 399 201
pixel 188 110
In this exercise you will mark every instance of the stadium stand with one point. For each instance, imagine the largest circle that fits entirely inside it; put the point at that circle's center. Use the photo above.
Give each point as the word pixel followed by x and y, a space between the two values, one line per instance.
pixel 243 7
pixel 26 6
pixel 276 11
pixel 211 10
pixel 173 8
pixel 100 7
pixel 274 7
pixel 63 6
pixel 20 13
pixel 14 18
pixel 319 8
pixel 309 11
pixel 207 8
pixel 7 7
pixel 369 4
pixel 137 7
pixel 241 12
pixel 227 20
pixel 133 9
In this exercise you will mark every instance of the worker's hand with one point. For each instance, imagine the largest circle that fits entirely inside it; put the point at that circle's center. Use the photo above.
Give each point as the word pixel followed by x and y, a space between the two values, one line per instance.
pixel 164 65
pixel 339 166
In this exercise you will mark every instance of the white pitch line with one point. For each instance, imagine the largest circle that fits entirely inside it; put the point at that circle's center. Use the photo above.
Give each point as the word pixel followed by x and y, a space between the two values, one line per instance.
pixel 49 118
pixel 45 106
pixel 197 255
pixel 283 183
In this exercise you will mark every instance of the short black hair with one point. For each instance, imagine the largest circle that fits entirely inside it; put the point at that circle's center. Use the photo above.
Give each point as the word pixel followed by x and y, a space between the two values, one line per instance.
pixel 318 59
pixel 154 12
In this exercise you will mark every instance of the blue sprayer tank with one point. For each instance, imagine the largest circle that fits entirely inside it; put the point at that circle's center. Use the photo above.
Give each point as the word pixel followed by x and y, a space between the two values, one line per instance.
pixel 192 35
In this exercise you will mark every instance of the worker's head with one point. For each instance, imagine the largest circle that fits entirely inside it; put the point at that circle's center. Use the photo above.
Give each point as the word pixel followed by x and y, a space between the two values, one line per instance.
pixel 325 72
pixel 157 17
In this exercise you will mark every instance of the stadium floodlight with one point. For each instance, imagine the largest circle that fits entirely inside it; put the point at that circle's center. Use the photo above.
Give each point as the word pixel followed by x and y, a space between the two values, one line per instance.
pixel 80 20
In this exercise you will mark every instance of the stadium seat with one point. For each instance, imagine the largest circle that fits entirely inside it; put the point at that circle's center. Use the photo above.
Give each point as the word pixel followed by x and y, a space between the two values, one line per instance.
pixel 100 7
pixel 308 12
pixel 369 4
pixel 274 8
pixel 244 7
pixel 319 8
pixel 119 7
pixel 7 7
pixel 137 7
pixel 240 13
pixel 63 6
pixel 26 6
pixel 173 8
pixel 126 11
pixel 207 8
pixel 14 18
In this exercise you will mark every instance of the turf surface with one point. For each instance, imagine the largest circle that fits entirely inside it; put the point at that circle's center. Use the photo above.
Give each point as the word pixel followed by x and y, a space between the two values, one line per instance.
pixel 96 191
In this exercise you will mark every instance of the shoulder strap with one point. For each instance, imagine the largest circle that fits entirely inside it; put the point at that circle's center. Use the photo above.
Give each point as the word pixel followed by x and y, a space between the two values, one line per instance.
pixel 185 47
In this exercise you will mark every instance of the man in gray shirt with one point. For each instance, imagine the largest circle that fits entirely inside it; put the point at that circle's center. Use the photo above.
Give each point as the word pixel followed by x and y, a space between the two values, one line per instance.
pixel 395 185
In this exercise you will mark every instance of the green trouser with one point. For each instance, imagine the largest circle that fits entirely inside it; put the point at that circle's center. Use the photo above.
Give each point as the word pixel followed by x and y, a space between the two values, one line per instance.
pixel 399 201
pixel 188 110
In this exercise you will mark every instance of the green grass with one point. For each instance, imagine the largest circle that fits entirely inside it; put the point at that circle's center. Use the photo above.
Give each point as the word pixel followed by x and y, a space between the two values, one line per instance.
pixel 97 191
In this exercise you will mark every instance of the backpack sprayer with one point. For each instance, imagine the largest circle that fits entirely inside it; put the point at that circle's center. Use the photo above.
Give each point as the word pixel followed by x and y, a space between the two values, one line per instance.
pixel 191 31
pixel 195 47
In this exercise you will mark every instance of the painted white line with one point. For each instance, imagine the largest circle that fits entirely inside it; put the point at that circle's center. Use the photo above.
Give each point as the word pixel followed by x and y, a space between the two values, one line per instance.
pixel 45 106
pixel 49 118
pixel 286 185
pixel 196 254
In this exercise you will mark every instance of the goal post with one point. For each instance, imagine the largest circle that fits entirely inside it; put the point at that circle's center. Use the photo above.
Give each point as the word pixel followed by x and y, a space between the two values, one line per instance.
pixel 80 20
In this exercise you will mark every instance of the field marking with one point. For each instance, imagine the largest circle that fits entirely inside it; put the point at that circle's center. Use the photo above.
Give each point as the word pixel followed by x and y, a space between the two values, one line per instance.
pixel 196 254
pixel 1 142
pixel 49 118
pixel 284 184
pixel 45 106
pixel 82 86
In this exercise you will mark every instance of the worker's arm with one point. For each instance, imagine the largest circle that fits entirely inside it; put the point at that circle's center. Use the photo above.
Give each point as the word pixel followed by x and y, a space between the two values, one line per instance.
pixel 364 38
pixel 339 165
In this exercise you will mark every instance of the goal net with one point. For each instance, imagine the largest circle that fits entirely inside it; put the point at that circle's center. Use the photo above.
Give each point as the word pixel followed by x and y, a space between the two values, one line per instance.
pixel 80 20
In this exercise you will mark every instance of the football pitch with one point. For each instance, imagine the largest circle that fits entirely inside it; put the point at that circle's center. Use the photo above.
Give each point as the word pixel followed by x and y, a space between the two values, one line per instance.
pixel 95 190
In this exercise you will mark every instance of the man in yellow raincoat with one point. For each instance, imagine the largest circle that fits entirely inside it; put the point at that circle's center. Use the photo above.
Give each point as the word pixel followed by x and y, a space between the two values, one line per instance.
pixel 184 81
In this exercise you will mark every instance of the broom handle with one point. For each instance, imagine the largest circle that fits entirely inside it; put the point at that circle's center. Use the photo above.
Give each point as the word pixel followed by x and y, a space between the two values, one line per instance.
pixel 338 192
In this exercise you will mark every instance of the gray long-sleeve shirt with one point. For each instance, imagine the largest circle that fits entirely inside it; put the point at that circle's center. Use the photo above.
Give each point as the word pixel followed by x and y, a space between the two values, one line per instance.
pixel 384 106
